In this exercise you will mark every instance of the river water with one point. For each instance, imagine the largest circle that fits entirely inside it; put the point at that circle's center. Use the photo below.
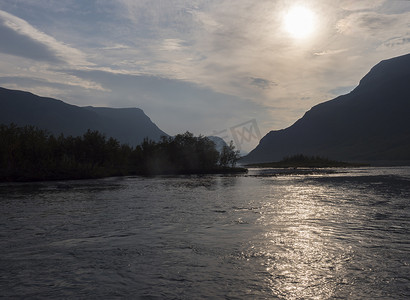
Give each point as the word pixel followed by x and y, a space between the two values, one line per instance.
pixel 334 235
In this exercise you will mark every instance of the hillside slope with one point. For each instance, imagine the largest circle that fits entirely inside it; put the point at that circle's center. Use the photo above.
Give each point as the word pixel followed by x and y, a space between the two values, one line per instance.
pixel 128 125
pixel 371 123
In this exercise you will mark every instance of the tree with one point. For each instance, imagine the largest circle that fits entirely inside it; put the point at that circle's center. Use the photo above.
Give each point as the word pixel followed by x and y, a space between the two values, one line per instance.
pixel 29 153
pixel 229 156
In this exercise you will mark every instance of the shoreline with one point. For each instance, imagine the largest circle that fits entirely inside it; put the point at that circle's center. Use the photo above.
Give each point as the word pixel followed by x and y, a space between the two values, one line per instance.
pixel 216 171
pixel 280 165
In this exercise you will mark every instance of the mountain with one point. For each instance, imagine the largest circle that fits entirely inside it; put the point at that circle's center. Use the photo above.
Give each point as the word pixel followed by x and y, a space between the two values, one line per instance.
pixel 371 123
pixel 128 125
pixel 132 125
pixel 219 142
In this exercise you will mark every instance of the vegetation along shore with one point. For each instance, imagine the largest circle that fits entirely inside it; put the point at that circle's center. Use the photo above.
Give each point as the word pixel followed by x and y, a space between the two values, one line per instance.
pixel 31 154
pixel 304 161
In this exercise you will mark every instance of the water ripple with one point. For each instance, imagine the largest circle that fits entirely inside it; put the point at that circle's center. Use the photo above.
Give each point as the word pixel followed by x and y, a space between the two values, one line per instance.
pixel 341 234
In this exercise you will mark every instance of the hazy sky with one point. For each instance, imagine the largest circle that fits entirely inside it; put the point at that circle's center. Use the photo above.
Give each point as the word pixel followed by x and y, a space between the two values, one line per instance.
pixel 198 65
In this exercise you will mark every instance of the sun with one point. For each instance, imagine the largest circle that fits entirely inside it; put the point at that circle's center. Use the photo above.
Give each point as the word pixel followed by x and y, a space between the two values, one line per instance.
pixel 300 22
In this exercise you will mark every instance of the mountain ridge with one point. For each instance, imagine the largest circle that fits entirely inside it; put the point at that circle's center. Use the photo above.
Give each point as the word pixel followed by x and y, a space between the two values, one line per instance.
pixel 128 125
pixel 370 123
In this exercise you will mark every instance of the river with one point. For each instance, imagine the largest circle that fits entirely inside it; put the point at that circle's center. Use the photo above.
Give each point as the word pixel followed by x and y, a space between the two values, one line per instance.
pixel 341 234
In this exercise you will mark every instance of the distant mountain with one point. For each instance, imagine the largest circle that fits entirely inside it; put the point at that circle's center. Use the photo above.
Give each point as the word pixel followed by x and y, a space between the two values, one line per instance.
pixel 219 142
pixel 371 123
pixel 128 125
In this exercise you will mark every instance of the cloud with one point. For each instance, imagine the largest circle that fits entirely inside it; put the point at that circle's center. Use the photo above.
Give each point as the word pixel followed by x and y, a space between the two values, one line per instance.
pixel 160 18
pixel 172 45
pixel 330 52
pixel 116 47
pixel 21 39
pixel 195 64
pixel 378 25
pixel 383 32
pixel 44 5
pixel 397 41
pixel 353 5
pixel 262 83
pixel 33 82
pixel 42 78
pixel 365 22
pixel 239 48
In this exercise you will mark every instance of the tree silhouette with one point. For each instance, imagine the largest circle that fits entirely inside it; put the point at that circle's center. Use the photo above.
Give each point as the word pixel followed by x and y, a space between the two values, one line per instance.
pixel 229 156
pixel 28 153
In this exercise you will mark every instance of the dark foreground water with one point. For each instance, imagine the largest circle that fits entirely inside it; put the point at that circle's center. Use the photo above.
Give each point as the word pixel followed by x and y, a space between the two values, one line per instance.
pixel 343 235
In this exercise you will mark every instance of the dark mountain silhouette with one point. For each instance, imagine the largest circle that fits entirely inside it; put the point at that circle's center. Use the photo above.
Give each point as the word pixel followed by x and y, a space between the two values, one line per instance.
pixel 128 125
pixel 371 123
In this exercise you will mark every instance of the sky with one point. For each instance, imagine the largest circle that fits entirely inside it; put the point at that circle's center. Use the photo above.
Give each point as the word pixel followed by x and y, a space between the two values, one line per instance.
pixel 209 67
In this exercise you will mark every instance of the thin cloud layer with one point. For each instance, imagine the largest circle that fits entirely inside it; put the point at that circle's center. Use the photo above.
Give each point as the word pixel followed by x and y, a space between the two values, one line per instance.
pixel 22 39
pixel 206 64
pixel 354 5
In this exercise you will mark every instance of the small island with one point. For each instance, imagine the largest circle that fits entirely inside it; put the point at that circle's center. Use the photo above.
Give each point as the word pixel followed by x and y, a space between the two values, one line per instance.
pixel 31 154
pixel 304 161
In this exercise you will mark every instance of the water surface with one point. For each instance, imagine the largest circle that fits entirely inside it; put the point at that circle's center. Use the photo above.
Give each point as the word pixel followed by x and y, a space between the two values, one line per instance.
pixel 342 234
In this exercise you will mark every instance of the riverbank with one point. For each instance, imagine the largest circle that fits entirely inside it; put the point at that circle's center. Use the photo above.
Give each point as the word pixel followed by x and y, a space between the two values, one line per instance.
pixel 31 154
pixel 32 177
pixel 302 161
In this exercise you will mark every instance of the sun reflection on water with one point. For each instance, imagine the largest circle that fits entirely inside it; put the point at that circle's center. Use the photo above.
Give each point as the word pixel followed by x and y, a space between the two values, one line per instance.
pixel 304 259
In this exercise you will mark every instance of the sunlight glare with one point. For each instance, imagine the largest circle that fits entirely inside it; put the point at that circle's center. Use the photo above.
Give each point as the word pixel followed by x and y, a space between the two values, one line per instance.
pixel 300 22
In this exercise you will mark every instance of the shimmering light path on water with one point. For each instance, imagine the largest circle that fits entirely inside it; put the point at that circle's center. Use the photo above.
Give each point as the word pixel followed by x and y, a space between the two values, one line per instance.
pixel 338 235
